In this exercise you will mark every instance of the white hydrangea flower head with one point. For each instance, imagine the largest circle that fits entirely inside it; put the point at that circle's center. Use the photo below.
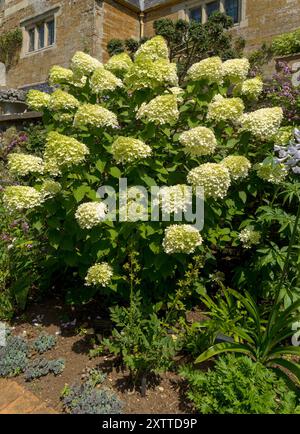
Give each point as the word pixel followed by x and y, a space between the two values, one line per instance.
pixel 18 198
pixel 66 117
pixel 99 274
pixel 134 205
pixel 37 100
pixel 209 69
pixel 283 135
pixel 263 123
pixel 235 70
pixel 60 75
pixel 119 63
pixel 50 188
pixel 174 199
pixel 24 164
pixel 198 141
pixel 52 168
pixel 252 87
pixel 181 239
pixel 95 116
pixel 237 165
pixel 127 150
pixel 225 109
pixel 163 109
pixel 154 49
pixel 103 80
pixel 249 237
pixel 64 76
pixel 61 100
pixel 144 73
pixel 275 173
pixel 177 91
pixel 213 177
pixel 84 64
pixel 90 214
pixel 63 151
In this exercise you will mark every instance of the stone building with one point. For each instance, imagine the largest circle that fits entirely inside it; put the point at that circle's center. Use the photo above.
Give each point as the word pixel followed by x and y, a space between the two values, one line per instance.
pixel 54 29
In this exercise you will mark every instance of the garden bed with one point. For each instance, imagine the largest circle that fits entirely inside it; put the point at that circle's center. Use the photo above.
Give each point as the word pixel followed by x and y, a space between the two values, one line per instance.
pixel 166 396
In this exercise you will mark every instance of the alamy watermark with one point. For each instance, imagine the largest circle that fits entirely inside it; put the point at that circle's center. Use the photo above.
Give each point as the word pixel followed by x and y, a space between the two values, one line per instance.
pixel 162 203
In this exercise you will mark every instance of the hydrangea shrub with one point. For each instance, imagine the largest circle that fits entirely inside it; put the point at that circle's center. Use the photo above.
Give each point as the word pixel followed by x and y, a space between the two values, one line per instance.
pixel 130 119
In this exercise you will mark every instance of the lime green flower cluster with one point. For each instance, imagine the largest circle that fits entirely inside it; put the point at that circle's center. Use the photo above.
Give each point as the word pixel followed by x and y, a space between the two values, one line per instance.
pixel 275 173
pixel 145 72
pixel 213 177
pixel 237 165
pixel 99 274
pixel 207 69
pixel 119 64
pixel 225 109
pixel 95 116
pixel 84 64
pixel 90 214
pixel 283 136
pixel 263 123
pixel 50 188
pixel 249 237
pixel 161 110
pixel 60 75
pixel 103 80
pixel 65 76
pixel 198 141
pixel 128 149
pixel 17 198
pixel 177 91
pixel 61 100
pixel 24 164
pixel 63 151
pixel 154 49
pixel 181 239
pixel 37 100
pixel 251 88
pixel 235 70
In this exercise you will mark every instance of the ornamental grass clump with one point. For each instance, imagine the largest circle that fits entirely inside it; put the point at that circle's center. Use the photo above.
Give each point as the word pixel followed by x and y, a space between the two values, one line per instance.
pixel 130 129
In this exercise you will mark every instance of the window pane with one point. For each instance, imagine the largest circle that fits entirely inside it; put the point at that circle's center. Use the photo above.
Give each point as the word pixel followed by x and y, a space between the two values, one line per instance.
pixel 51 32
pixel 196 14
pixel 212 7
pixel 232 8
pixel 31 37
pixel 41 33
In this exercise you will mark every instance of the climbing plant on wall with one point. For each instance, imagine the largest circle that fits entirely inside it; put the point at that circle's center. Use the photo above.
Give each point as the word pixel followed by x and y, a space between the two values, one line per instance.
pixel 10 44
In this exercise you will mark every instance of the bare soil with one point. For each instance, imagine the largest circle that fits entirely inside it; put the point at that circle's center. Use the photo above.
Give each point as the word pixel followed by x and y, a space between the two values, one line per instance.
pixel 166 395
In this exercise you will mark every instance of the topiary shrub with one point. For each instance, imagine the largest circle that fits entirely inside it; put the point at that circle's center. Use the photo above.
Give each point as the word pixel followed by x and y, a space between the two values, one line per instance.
pixel 237 385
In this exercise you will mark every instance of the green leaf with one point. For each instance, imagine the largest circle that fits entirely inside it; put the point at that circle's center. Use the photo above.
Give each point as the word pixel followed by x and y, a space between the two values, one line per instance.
pixel 291 366
pixel 20 290
pixel 100 165
pixel 223 347
pixel 148 180
pixel 243 196
pixel 115 172
pixel 80 192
